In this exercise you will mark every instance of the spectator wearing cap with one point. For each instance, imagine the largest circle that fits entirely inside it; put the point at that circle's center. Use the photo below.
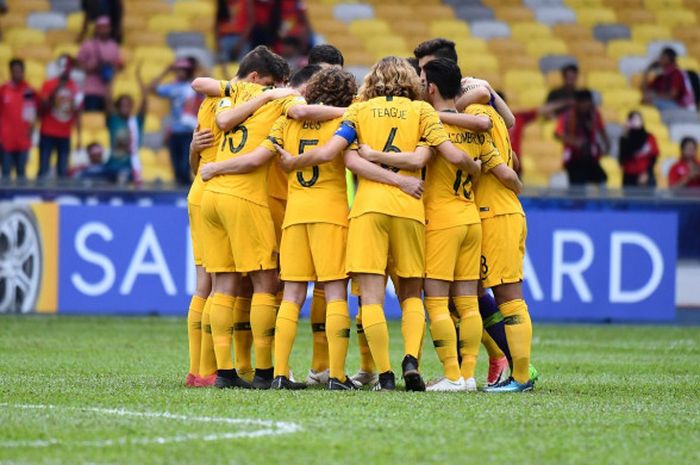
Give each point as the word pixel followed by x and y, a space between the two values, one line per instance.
pixel 233 25
pixel 638 153
pixel 184 104
pixel 61 102
pixel 564 95
pixel 665 85
pixel 18 111
pixel 685 172
pixel 585 140
pixel 93 9
pixel 101 60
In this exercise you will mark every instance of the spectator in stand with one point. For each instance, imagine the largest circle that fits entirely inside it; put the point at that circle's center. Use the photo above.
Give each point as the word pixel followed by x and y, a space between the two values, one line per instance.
pixel 293 51
pixel 95 169
pixel 638 153
pixel 184 104
pixel 125 133
pixel 101 60
pixel 293 24
pixel 233 27
pixel 94 9
pixel 665 85
pixel 685 173
pixel 325 55
pixel 585 140
pixel 61 102
pixel 18 110
pixel 265 23
pixel 565 94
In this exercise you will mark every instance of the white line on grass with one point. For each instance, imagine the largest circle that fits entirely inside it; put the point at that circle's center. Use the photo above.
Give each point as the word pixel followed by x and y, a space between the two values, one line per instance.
pixel 267 428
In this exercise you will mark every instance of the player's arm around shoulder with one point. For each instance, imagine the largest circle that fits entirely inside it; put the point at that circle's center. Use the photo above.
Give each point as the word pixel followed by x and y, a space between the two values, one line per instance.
pixel 410 185
pixel 410 161
pixel 508 177
pixel 306 112
pixel 476 123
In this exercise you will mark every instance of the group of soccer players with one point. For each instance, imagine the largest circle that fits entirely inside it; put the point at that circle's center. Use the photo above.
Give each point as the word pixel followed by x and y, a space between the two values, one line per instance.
pixel 436 210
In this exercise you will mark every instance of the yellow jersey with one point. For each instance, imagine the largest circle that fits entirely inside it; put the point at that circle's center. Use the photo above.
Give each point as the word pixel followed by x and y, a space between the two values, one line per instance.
pixel 206 119
pixel 392 124
pixel 243 139
pixel 492 197
pixel 448 195
pixel 317 194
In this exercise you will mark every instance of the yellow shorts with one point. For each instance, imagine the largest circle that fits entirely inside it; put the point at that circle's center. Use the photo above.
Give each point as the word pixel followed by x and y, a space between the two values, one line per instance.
pixel 239 235
pixel 277 208
pixel 195 214
pixel 373 237
pixel 502 249
pixel 453 254
pixel 313 252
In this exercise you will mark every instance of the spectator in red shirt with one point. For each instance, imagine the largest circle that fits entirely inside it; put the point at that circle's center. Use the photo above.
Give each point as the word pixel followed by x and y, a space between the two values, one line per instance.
pixel 233 26
pixel 61 101
pixel 18 110
pixel 585 140
pixel 638 153
pixel 685 172
pixel 101 59
pixel 665 85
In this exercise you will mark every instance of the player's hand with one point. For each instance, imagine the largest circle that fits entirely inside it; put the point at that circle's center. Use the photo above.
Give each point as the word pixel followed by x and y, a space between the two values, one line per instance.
pixel 478 173
pixel 367 153
pixel 202 139
pixel 281 92
pixel 412 186
pixel 472 82
pixel 208 171
pixel 286 160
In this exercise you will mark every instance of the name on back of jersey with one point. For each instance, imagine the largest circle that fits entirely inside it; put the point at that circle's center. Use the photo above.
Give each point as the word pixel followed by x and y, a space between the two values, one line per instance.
pixel 390 112
pixel 466 137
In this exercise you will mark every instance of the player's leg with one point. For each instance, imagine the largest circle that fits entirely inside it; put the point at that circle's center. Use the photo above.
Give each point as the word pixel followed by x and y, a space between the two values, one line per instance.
pixel 242 335
pixel 207 360
pixel 318 373
pixel 367 374
pixel 372 288
pixel 263 315
pixel 470 328
pixel 285 333
pixel 194 322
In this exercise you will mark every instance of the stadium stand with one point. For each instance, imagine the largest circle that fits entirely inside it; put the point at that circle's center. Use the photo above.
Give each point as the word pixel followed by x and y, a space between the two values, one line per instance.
pixel 519 46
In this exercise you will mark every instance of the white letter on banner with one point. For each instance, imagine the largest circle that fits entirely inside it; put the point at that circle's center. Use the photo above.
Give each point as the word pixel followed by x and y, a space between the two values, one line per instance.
pixel 617 240
pixel 574 269
pixel 138 265
pixel 102 286
pixel 531 279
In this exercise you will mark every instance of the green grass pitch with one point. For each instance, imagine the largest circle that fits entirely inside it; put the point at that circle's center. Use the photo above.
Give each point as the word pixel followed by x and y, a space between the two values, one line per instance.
pixel 109 391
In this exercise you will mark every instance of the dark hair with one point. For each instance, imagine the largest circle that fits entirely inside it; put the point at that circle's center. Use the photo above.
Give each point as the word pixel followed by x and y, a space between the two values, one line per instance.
pixel 688 140
pixel 439 48
pixel 445 74
pixel 670 53
pixel 413 61
pixel 326 53
pixel 571 67
pixel 583 95
pixel 265 62
pixel 303 75
pixel 332 86
pixel 121 98
pixel 16 62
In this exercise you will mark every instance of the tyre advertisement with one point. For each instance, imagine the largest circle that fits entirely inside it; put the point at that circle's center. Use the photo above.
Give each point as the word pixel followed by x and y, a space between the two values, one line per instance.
pixel 136 260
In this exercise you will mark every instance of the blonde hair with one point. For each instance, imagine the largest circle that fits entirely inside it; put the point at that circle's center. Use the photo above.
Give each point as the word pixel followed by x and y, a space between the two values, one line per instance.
pixel 391 77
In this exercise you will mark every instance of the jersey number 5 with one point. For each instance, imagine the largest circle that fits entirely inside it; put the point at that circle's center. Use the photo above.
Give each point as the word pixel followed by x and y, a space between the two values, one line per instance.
pixel 303 143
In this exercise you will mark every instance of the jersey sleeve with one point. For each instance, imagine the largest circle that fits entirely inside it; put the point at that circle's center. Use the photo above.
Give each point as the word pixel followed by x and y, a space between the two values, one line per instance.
pixel 224 104
pixel 229 89
pixel 490 156
pixel 432 132
pixel 350 116
pixel 276 135
pixel 290 102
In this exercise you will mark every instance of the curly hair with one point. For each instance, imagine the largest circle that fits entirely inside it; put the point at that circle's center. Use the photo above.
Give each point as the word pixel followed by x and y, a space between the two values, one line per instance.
pixel 391 77
pixel 331 86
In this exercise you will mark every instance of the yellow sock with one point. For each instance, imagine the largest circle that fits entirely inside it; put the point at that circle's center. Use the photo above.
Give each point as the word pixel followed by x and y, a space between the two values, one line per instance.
pixel 444 335
pixel 319 354
pixel 262 323
pixel 338 333
pixel 491 347
pixel 222 329
pixel 412 325
pixel 242 337
pixel 366 361
pixel 207 359
pixel 194 331
pixel 470 329
pixel 377 333
pixel 285 333
pixel 519 335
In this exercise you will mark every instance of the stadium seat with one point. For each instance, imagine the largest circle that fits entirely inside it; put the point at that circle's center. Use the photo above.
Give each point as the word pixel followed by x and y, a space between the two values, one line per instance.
pixel 555 15
pixel 152 55
pixel 543 3
pixel 60 37
pixel 635 16
pixel 18 38
pixel 631 65
pixel 679 115
pixel 529 31
pixel 620 48
pixel 514 13
pixel 41 53
pixel 572 32
pixel 13 20
pixel 369 28
pixel 689 63
pixel 555 62
pixel 432 12
pixel 681 130
pixel 349 12
pixel 450 29
pixel 46 20
pixel 394 12
pixel 597 63
pixel 608 32
pixel 519 62
pixel 191 8
pixel 147 9
pixel 594 16
pixel 30 6
pixel 519 80
pixel 93 121
pixel 662 4
pixel 654 48
pixel 687 34
pixel 65 6
pixel 473 13
pixel 168 23
pixel 533 97
pixel 506 47
pixel 605 80
pixel 186 39
pixel 543 47
pixel 643 33
pixel 478 64
pixel 152 38
pixel 490 29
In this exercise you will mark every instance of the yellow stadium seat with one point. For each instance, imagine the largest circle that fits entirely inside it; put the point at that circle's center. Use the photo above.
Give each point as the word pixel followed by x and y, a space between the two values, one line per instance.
pixel 597 63
pixel 35 73
pixel 451 29
pixel 414 30
pixel 6 53
pixel 191 8
pixel 578 4
pixel 516 62
pixel 572 32
pixel 433 12
pixel 134 23
pixel 662 4
pixel 166 23
pixel 606 80
pixel 93 121
pixel 359 58
pixel 147 9
pixel 74 22
pixel 619 48
pixel 319 10
pixel 393 12
pixel 469 46
pixel 19 38
pixel 366 28
pixel 543 47
pixel 506 47
pixel 612 168
pixel 533 97
pixel 587 47
pixel 687 34
pixel 60 37
pixel 529 31
pixel 381 47
pixel 30 6
pixel 141 37
pixel 328 26
pixel 593 16
pixel 621 98
pixel 634 16
pixel 123 86
pixel 152 123
pixel 625 4
pixel 519 80
pixel 39 52
pixel 645 33
pixel 478 63
pixel 689 63
pixel 13 20
pixel 154 54
pixel 514 13
pixel 675 17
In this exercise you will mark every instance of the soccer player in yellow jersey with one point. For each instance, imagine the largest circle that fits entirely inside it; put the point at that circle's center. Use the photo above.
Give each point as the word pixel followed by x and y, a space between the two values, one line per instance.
pixel 386 221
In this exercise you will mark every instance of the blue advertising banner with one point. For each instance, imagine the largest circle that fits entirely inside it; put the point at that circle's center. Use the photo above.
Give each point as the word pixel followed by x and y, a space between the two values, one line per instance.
pixel 583 265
